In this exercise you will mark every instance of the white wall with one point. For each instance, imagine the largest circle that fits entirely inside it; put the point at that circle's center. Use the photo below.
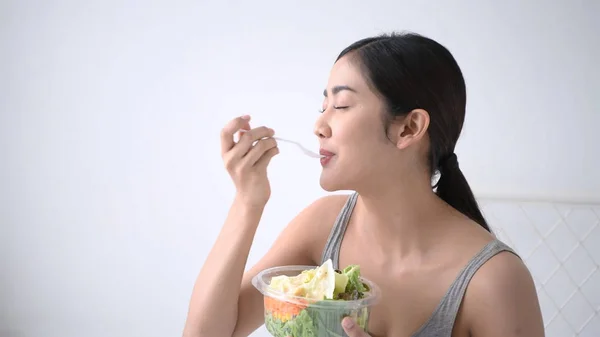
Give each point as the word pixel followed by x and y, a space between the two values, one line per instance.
pixel 111 186
pixel 560 244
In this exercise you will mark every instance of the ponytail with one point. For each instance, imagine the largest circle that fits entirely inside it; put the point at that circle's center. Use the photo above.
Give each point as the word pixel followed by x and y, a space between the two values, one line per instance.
pixel 453 188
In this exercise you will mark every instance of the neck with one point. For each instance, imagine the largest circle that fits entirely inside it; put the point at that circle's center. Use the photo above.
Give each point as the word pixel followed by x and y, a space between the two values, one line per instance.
pixel 401 217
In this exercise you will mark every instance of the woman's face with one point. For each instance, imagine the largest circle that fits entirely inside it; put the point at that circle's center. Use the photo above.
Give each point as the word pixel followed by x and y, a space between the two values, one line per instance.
pixel 352 132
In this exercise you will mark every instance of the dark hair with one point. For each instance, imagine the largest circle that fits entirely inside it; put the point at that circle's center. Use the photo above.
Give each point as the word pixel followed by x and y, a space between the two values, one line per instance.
pixel 411 71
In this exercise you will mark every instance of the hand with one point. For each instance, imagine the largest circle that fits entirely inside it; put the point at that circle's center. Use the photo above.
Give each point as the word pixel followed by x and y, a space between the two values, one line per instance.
pixel 352 329
pixel 247 163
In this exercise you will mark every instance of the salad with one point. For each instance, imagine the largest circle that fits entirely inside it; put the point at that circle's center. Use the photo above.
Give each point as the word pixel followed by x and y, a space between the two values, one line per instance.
pixel 311 302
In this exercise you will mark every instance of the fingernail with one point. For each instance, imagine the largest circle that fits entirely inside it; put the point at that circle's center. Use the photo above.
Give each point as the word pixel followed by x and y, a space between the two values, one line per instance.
pixel 348 323
pixel 246 117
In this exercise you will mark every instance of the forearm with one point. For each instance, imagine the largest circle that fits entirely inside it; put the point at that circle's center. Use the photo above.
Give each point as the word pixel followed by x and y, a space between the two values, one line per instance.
pixel 214 304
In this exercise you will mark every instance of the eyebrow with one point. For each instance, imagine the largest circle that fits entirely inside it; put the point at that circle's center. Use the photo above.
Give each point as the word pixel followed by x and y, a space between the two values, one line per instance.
pixel 337 89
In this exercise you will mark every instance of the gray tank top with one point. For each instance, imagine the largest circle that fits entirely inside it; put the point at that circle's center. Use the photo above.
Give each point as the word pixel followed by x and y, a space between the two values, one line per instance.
pixel 441 322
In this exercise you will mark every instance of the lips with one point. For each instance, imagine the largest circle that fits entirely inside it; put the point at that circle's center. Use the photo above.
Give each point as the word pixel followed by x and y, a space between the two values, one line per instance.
pixel 327 156
pixel 326 153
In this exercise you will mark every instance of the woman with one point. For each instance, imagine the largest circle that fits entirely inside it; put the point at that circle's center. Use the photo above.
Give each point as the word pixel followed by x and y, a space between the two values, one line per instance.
pixel 393 111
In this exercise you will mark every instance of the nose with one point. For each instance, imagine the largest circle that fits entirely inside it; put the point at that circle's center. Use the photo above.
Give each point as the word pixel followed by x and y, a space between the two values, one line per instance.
pixel 322 128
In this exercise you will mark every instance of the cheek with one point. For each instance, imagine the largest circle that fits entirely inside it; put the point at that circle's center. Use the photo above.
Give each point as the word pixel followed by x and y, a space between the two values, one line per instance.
pixel 359 128
pixel 371 130
pixel 368 142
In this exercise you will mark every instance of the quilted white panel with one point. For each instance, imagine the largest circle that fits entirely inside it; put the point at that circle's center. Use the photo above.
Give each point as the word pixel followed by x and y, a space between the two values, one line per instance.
pixel 560 243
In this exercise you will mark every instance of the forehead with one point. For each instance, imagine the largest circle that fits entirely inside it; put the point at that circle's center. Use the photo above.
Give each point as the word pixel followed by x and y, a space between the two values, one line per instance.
pixel 346 72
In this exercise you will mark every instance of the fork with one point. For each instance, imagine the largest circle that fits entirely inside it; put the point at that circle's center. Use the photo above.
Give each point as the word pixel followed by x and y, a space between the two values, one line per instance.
pixel 304 150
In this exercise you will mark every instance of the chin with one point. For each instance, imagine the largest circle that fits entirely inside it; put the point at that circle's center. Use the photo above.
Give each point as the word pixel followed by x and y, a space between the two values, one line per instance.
pixel 331 182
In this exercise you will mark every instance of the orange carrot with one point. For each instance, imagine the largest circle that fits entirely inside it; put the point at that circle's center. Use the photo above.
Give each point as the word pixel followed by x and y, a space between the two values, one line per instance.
pixel 281 310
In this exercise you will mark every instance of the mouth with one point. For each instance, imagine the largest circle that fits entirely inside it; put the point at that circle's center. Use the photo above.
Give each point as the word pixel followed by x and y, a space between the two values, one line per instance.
pixel 326 156
pixel 326 153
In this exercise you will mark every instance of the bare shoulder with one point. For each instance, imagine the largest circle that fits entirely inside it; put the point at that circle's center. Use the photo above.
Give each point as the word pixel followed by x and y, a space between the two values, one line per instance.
pixel 501 300
pixel 314 223
pixel 328 206
pixel 304 237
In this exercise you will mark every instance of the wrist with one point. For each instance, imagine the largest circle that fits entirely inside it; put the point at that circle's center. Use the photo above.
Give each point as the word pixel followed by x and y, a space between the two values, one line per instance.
pixel 244 203
pixel 241 204
pixel 243 217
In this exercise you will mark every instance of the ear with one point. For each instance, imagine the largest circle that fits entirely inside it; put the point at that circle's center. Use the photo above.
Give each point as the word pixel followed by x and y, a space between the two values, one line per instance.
pixel 414 126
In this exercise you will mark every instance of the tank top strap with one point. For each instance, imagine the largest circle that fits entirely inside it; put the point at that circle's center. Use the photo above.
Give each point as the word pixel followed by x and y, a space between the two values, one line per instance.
pixel 334 241
pixel 442 320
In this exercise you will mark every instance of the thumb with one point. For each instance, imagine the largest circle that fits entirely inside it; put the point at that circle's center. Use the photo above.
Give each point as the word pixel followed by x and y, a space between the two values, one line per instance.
pixel 352 329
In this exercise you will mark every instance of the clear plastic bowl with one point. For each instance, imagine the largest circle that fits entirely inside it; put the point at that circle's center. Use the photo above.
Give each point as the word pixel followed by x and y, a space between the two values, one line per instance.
pixel 287 315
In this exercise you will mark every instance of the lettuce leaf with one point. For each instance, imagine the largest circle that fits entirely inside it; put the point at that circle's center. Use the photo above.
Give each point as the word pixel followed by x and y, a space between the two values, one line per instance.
pixel 355 289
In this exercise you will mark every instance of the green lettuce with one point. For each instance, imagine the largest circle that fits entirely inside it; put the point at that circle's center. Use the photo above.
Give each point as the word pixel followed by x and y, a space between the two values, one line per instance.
pixel 355 288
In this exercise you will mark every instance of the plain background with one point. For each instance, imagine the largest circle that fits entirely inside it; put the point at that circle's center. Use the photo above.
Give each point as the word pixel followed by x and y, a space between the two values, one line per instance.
pixel 111 186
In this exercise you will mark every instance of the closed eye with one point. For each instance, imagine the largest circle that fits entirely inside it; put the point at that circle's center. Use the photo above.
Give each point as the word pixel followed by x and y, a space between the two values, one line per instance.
pixel 335 107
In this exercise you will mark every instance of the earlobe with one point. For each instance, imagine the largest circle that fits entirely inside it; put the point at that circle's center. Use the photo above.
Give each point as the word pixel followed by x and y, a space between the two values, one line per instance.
pixel 413 128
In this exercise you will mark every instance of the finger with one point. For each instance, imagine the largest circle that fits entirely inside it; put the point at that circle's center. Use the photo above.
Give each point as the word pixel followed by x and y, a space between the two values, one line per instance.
pixel 244 128
pixel 258 150
pixel 352 329
pixel 227 141
pixel 265 159
pixel 248 138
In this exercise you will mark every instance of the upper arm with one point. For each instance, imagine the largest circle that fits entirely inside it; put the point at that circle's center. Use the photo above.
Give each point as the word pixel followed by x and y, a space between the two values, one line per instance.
pixel 298 244
pixel 501 300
